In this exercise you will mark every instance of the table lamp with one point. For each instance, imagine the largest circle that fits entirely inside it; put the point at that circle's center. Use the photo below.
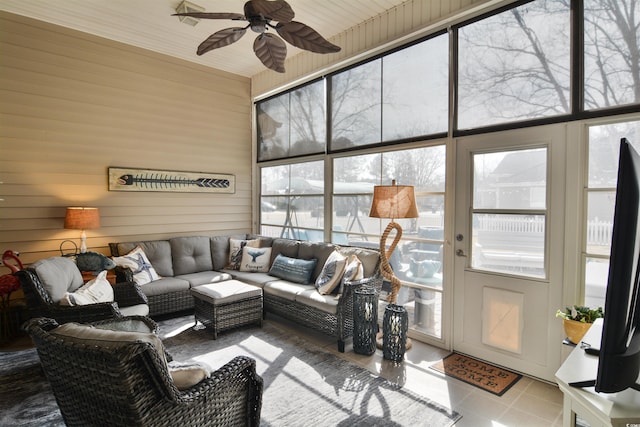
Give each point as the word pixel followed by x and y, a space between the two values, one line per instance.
pixel 82 219
pixel 393 201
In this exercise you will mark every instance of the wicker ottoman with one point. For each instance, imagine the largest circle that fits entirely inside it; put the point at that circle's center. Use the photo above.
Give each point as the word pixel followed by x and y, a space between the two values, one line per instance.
pixel 226 305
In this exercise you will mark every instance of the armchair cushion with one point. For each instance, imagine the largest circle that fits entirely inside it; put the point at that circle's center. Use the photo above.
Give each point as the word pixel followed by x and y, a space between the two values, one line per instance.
pixel 58 275
pixel 96 290
pixel 97 336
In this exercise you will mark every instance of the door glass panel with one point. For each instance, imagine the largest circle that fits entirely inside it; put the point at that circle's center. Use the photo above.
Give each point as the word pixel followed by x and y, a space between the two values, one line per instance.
pixel 509 217
pixel 512 244
pixel 510 180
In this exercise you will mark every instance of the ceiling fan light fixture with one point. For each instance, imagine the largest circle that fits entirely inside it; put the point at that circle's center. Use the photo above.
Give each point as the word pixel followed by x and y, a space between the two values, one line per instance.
pixel 188 7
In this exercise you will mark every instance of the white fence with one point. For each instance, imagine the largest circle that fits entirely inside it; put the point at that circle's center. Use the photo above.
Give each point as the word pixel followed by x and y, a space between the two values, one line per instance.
pixel 598 232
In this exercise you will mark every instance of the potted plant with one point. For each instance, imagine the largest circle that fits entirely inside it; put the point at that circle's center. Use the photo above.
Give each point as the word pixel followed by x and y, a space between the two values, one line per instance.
pixel 577 320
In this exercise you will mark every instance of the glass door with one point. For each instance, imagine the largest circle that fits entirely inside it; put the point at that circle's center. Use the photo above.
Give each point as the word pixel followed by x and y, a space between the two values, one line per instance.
pixel 509 247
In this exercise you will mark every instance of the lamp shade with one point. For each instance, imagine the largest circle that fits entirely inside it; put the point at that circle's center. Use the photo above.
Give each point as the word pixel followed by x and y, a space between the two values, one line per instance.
pixel 82 218
pixel 393 201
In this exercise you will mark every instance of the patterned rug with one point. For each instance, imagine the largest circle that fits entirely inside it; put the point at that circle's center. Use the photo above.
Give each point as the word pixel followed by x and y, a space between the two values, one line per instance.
pixel 304 384
pixel 478 373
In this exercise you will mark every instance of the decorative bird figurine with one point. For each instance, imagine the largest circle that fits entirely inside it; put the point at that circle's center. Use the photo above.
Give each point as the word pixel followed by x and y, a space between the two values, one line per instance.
pixel 9 282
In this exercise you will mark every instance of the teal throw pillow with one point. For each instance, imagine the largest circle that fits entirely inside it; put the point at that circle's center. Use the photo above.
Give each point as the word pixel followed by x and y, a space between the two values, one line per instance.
pixel 293 269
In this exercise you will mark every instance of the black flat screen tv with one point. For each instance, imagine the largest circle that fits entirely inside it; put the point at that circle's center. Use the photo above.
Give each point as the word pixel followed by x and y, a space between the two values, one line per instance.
pixel 619 353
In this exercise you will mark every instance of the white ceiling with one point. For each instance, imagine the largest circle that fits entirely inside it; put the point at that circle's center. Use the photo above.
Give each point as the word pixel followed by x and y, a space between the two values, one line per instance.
pixel 148 24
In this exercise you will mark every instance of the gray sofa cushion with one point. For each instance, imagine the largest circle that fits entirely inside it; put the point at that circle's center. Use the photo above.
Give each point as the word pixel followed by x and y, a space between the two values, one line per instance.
pixel 157 251
pixel 204 277
pixel 312 298
pixel 58 276
pixel 286 247
pixel 265 241
pixel 164 286
pixel 256 279
pixel 318 250
pixel 220 249
pixel 190 254
pixel 369 258
pixel 286 289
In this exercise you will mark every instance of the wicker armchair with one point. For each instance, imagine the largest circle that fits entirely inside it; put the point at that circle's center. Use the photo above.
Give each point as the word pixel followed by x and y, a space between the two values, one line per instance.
pixel 127 383
pixel 61 274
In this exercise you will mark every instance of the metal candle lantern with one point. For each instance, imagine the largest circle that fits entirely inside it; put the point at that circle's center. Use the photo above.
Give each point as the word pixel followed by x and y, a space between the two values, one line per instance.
pixel 365 320
pixel 394 332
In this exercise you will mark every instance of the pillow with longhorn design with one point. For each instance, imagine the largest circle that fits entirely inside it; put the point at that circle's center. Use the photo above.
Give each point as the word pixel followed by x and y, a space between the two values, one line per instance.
pixel 137 261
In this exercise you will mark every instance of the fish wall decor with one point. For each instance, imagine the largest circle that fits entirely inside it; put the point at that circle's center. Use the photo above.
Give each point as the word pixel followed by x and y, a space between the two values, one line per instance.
pixel 124 179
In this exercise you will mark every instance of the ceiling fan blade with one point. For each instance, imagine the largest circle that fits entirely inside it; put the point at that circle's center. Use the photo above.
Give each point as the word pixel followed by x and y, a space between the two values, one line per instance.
pixel 209 15
pixel 276 10
pixel 271 50
pixel 221 38
pixel 305 37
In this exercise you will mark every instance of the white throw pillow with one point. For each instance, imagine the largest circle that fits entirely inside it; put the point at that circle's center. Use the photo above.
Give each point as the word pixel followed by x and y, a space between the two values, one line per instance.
pixel 94 291
pixel 331 274
pixel 353 271
pixel 235 251
pixel 188 374
pixel 255 259
pixel 137 261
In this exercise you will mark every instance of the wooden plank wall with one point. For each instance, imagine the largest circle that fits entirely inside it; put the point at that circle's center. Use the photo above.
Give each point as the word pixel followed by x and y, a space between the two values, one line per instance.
pixel 410 20
pixel 72 104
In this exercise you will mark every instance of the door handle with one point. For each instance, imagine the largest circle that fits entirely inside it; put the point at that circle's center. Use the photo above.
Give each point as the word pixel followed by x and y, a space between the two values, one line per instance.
pixel 460 252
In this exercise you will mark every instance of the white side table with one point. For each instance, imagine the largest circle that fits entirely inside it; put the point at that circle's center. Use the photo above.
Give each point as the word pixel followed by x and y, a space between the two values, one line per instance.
pixel 598 409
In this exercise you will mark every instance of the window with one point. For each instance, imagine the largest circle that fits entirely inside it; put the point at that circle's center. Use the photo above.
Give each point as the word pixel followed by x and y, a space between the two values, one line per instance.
pixel 291 201
pixel 603 152
pixel 416 90
pixel 417 261
pixel 515 65
pixel 611 53
pixel 355 106
pixel 402 95
pixel 292 124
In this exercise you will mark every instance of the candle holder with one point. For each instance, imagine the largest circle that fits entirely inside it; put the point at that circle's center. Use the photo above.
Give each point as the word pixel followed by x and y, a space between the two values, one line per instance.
pixel 394 332
pixel 365 320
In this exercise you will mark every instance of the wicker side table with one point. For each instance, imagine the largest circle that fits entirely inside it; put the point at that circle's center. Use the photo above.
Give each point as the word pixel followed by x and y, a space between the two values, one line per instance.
pixel 226 305
pixel 365 320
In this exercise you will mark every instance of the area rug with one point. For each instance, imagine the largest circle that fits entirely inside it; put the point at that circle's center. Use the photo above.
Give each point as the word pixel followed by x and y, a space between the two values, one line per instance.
pixel 472 371
pixel 304 384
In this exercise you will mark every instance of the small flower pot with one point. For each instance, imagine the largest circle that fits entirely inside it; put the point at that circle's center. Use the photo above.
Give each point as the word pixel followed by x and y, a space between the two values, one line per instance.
pixel 575 330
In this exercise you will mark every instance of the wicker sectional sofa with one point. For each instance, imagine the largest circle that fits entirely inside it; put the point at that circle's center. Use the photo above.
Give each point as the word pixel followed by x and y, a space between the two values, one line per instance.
pixel 188 261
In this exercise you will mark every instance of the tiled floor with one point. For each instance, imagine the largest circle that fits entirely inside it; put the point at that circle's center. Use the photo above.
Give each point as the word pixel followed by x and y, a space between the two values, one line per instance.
pixel 529 403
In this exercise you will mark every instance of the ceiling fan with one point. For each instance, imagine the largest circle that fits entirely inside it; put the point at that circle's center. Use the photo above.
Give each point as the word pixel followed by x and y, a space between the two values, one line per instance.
pixel 268 47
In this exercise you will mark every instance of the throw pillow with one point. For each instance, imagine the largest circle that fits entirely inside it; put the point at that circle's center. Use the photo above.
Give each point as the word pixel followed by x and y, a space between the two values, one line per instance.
pixel 255 259
pixel 354 270
pixel 292 269
pixel 137 261
pixel 94 291
pixel 329 277
pixel 187 374
pixel 235 251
